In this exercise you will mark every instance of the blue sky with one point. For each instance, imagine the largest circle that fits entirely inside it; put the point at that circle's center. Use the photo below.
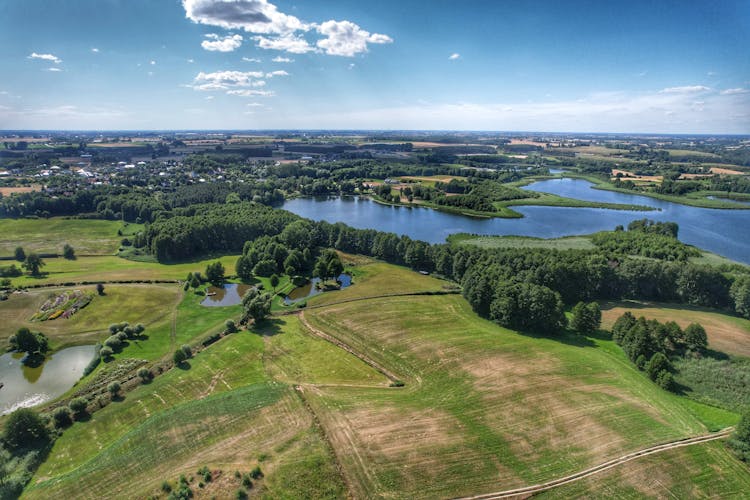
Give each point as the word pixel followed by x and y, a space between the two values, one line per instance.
pixel 628 66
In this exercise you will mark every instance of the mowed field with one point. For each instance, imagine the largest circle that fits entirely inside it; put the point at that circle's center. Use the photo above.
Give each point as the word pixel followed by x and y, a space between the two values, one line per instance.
pixel 112 268
pixel 87 237
pixel 482 409
pixel 728 334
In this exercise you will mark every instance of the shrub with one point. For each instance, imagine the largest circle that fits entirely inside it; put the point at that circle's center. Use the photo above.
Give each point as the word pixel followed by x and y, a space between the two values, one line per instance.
pixel 106 352
pixel 740 441
pixel 246 481
pixel 231 326
pixel 145 374
pixel 166 487
pixel 256 473
pixel 114 388
pixel 640 362
pixel 179 357
pixel 665 380
pixel 187 350
pixel 62 417
pixel 656 365
pixel 241 494
pixel 78 406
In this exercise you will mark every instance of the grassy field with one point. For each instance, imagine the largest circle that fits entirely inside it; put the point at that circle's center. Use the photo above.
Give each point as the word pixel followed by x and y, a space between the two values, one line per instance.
pixel 87 237
pixel 483 408
pixel 482 405
pixel 225 412
pixel 566 243
pixel 151 305
pixel 729 334
pixel 701 471
pixel 111 268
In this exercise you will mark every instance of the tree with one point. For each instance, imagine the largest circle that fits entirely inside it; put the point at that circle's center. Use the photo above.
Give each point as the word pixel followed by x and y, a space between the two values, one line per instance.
pixel 586 317
pixel 78 406
pixel 179 357
pixel 328 265
pixel 274 282
pixel 145 374
pixel 62 417
pixel 656 365
pixel 106 352
pixel 740 440
pixel 215 272
pixel 114 388
pixel 68 252
pixel 695 337
pixel 739 292
pixel 231 326
pixel 100 288
pixel 25 428
pixel 19 254
pixel 33 264
pixel 26 341
pixel 256 305
pixel 665 380
pixel 187 350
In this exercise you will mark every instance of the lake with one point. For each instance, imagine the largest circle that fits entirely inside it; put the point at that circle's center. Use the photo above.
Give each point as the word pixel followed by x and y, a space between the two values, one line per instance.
pixel 24 386
pixel 721 231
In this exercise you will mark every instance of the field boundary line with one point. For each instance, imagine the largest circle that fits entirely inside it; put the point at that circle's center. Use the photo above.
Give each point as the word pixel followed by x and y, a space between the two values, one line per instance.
pixel 299 390
pixel 341 345
pixel 529 490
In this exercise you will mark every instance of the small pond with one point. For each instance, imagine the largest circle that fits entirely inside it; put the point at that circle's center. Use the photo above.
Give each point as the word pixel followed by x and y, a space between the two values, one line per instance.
pixel 24 386
pixel 230 294
pixel 310 289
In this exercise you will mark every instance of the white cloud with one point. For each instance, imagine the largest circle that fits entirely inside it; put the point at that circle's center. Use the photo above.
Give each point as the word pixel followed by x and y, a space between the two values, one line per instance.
pixel 351 66
pixel 344 38
pixel 734 91
pixel 279 59
pixel 290 43
pixel 53 69
pixel 251 93
pixel 94 50
pixel 253 16
pixel 152 63
pixel 251 60
pixel 454 56
pixel 46 57
pixel 209 98
pixel 223 80
pixel 279 72
pixel 216 43
pixel 191 61
pixel 687 89
pixel 254 105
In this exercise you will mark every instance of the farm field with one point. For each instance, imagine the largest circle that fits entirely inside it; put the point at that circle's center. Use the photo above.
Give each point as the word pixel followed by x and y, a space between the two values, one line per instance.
pixel 87 237
pixel 482 407
pixel 728 334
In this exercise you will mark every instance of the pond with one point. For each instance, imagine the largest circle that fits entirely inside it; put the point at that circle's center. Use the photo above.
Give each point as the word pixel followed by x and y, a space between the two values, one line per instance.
pixel 310 289
pixel 24 386
pixel 721 231
pixel 230 294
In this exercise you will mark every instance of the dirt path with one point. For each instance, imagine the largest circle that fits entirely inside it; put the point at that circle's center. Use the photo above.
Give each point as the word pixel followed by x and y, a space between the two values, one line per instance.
pixel 388 374
pixel 530 490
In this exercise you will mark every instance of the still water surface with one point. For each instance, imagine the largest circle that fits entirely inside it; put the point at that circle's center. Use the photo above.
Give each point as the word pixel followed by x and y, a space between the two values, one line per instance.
pixel 24 386
pixel 725 232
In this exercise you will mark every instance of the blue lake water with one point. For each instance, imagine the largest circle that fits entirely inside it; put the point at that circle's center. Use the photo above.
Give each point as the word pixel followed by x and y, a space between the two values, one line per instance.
pixel 725 232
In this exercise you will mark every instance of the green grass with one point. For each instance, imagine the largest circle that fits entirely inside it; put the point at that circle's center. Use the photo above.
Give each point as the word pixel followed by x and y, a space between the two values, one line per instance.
pixel 111 268
pixel 483 405
pixel 566 243
pixel 701 471
pixel 293 355
pixel 87 237
pixel 147 304
pixel 552 200
pixel 724 383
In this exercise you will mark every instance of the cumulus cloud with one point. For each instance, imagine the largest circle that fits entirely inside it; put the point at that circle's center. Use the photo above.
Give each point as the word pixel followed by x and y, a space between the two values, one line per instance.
pixel 279 72
pixel 215 43
pixel 253 16
pixel 53 69
pixel 291 43
pixel 46 57
pixel 734 91
pixel 94 50
pixel 276 30
pixel 279 59
pixel 152 63
pixel 687 89
pixel 454 56
pixel 251 60
pixel 344 38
